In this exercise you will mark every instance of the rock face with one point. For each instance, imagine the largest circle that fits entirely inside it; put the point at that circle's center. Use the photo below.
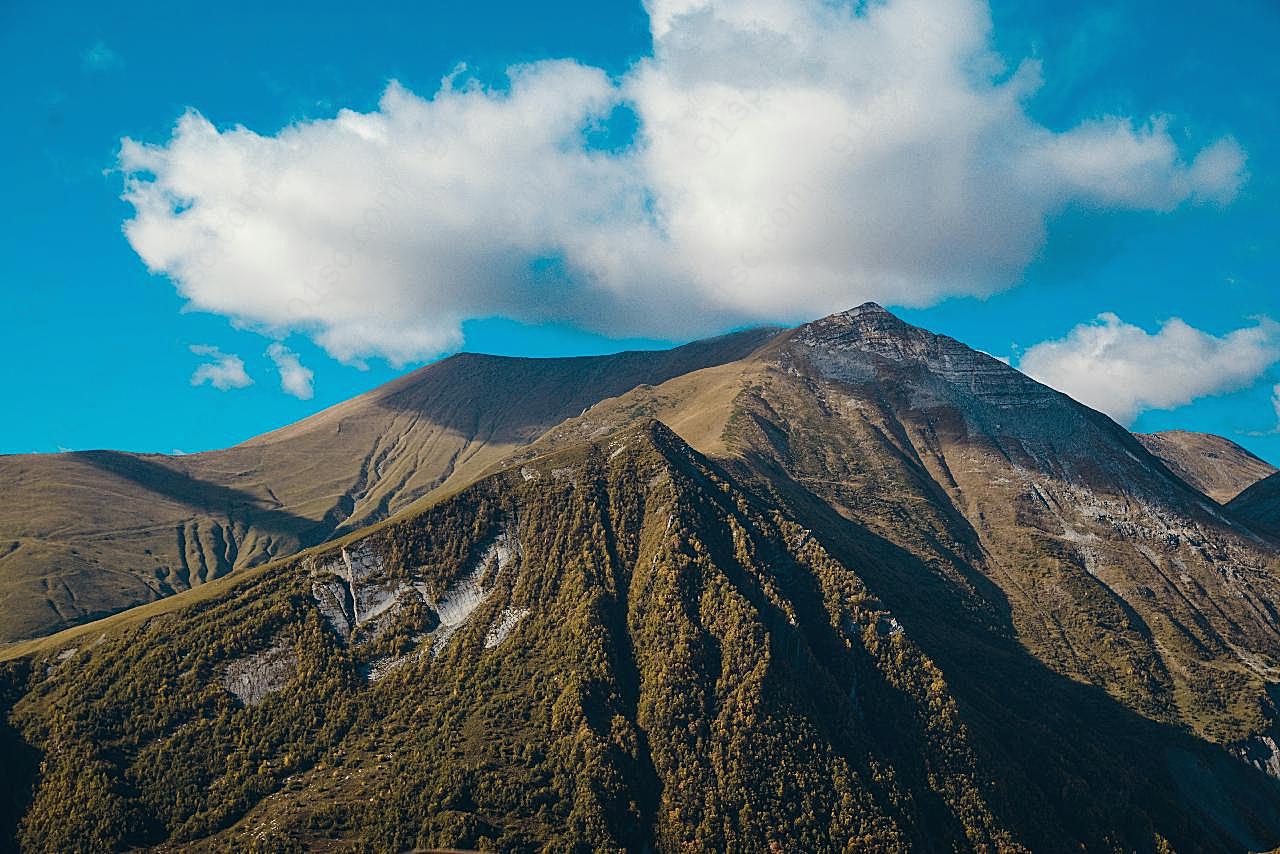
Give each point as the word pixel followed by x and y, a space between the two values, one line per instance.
pixel 361 599
pixel 1262 753
pixel 252 678
pixel 506 624
pixel 1218 467
pixel 467 592
pixel 847 347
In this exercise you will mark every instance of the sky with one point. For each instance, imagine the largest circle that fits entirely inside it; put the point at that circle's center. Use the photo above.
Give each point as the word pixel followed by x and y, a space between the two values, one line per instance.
pixel 219 220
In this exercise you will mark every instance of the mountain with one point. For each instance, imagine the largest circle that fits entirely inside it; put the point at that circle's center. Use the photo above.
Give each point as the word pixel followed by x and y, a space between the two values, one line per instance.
pixel 860 587
pixel 1260 505
pixel 1218 467
pixel 1112 570
pixel 612 646
pixel 90 533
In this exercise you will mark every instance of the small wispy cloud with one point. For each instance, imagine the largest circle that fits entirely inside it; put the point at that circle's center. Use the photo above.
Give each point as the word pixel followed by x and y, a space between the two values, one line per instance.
pixel 225 372
pixel 295 379
pixel 99 57
pixel 1274 430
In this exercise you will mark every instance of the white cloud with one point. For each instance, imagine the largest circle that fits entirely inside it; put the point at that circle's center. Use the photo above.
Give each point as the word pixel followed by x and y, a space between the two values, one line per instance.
pixel 294 378
pixel 794 157
pixel 1275 404
pixel 225 372
pixel 99 57
pixel 1115 164
pixel 1123 370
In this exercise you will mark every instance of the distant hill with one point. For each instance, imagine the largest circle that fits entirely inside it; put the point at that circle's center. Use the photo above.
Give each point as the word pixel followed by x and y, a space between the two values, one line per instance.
pixel 1218 467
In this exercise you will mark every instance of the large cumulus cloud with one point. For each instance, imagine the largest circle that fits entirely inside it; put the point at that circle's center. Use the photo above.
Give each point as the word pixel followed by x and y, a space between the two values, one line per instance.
pixel 793 157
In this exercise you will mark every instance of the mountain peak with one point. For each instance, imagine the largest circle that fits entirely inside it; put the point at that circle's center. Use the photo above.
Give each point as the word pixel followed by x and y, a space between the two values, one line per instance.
pixel 867 313
pixel 852 343
pixel 868 308
pixel 868 327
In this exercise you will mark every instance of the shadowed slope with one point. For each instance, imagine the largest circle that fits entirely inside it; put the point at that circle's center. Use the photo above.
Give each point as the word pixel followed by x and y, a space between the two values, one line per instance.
pixel 1260 505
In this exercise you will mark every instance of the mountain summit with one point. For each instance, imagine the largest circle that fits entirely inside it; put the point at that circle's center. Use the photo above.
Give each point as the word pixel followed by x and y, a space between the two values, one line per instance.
pixel 870 329
pixel 852 585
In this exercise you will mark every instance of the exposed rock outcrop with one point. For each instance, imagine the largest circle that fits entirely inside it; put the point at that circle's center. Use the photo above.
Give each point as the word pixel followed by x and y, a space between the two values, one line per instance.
pixel 254 677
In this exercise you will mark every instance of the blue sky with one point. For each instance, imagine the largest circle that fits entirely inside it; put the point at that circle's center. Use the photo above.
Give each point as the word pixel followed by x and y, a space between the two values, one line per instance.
pixel 99 349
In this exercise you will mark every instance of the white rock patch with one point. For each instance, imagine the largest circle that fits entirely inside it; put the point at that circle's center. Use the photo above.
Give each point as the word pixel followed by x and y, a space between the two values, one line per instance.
pixel 354 595
pixel 378 668
pixel 374 600
pixel 361 562
pixel 1262 753
pixel 507 621
pixel 254 677
pixel 465 595
pixel 331 599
